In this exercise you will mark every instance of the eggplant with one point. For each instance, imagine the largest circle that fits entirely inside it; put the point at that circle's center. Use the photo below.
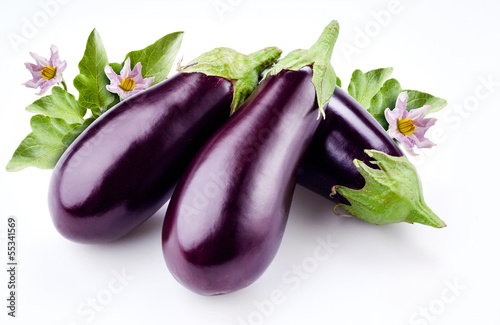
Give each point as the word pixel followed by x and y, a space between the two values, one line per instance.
pixel 227 216
pixel 347 130
pixel 351 146
pixel 123 167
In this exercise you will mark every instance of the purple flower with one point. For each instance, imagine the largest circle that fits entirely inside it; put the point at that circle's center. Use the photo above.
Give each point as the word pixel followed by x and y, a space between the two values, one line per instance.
pixel 409 127
pixel 46 73
pixel 128 82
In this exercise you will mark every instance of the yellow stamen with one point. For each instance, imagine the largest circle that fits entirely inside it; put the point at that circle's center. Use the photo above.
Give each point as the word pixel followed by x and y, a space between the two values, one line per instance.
pixel 49 72
pixel 127 84
pixel 406 126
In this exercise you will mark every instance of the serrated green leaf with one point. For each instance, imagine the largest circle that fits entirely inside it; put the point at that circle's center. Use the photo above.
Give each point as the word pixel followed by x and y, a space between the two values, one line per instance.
pixel 43 147
pixel 76 131
pixel 364 86
pixel 157 59
pixel 385 98
pixel 91 82
pixel 59 104
pixel 417 99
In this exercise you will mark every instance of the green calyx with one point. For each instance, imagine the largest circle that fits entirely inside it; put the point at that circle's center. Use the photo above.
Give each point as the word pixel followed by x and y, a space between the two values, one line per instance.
pixel 391 194
pixel 242 70
pixel 318 57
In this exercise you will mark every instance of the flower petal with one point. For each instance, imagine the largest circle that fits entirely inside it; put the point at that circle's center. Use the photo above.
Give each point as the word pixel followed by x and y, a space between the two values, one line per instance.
pixel 36 73
pixel 401 104
pixel 406 142
pixel 145 83
pixel 44 86
pixel 393 132
pixel 136 73
pixel 54 52
pixel 149 81
pixel 391 117
pixel 40 60
pixel 36 69
pixel 115 88
pixel 127 94
pixel 419 113
pixel 425 123
pixel 61 66
pixel 421 143
pixel 33 67
pixel 110 73
pixel 30 84
pixel 420 132
pixel 35 82
pixel 126 69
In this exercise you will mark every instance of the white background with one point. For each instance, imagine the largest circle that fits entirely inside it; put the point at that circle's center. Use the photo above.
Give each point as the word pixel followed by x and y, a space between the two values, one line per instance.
pixel 396 274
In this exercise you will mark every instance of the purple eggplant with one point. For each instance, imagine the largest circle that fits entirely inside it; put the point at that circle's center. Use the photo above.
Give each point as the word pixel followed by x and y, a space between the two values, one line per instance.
pixel 337 157
pixel 122 168
pixel 227 215
pixel 347 130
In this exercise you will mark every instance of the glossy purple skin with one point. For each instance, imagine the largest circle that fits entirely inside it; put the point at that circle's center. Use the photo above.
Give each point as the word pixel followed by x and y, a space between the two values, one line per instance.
pixel 227 215
pixel 122 169
pixel 342 137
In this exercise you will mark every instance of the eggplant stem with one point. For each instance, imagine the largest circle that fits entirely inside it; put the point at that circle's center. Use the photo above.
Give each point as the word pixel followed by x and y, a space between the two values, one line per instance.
pixel 264 58
pixel 325 43
pixel 318 57
pixel 242 70
pixel 338 206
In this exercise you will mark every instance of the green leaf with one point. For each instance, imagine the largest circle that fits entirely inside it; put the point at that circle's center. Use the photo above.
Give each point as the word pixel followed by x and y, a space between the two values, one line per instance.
pixel 157 59
pixel 388 95
pixel 385 98
pixel 338 82
pixel 60 104
pixel 63 116
pixel 417 99
pixel 364 86
pixel 391 194
pixel 91 82
pixel 76 131
pixel 43 147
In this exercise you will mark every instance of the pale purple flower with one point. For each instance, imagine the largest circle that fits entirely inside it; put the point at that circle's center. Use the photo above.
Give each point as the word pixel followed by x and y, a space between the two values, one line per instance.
pixel 409 127
pixel 46 73
pixel 128 82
